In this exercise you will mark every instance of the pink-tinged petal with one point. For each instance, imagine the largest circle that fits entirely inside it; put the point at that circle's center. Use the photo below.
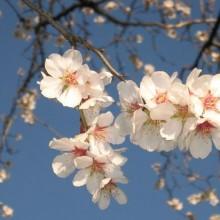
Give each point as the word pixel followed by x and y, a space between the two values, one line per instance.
pixel 63 165
pixel 94 181
pixel 71 97
pixel 51 87
pixel 105 119
pixel 83 162
pixel 119 196
pixel 215 85
pixel 171 129
pixel 104 200
pixel 147 88
pixel 161 80
pixel 200 146
pixel 162 112
pixel 213 117
pixel 62 144
pixel 196 106
pixel 75 57
pixel 81 177
pixel 216 138
pixel 54 65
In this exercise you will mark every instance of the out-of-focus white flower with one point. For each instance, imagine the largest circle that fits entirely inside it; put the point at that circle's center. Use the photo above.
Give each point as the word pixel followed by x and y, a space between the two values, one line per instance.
pixel 176 204
pixel 149 69
pixel 4 175
pixel 6 211
pixel 111 5
pixel 99 19
pixel 202 36
pixel 214 217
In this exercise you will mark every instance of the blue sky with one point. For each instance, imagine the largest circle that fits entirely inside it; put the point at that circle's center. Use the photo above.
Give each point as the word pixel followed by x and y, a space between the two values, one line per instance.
pixel 36 193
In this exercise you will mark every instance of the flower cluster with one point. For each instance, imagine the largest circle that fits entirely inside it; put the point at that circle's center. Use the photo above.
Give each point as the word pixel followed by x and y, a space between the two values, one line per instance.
pixel 98 165
pixel 164 112
pixel 161 114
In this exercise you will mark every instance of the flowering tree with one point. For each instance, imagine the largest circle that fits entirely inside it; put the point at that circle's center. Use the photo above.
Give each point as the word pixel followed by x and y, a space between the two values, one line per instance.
pixel 176 115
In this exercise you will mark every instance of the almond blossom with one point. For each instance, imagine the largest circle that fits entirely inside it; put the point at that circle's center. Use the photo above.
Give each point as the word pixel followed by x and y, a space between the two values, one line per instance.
pixel 73 152
pixel 198 136
pixel 67 79
pixel 102 133
pixel 130 101
pixel 108 188
pixel 146 133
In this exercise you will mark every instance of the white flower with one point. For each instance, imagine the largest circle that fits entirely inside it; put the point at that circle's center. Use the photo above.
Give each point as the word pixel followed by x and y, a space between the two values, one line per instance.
pixel 102 132
pixel 130 101
pixel 198 135
pixel 146 133
pixel 108 188
pixel 69 81
pixel 154 90
pixel 92 175
pixel 75 153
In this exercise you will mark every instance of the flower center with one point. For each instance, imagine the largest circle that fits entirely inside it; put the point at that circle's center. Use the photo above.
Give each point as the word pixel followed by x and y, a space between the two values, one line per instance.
pixel 97 166
pixel 205 127
pixel 79 152
pixel 100 132
pixel 182 111
pixel 209 102
pixel 70 78
pixel 161 98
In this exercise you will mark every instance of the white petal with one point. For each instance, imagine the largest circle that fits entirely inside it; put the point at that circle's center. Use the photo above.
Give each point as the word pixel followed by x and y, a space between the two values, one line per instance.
pixel 178 94
pixel 215 88
pixel 147 88
pixel 196 106
pixel 113 135
pixel 193 77
pixel 54 65
pixel 119 196
pixel 123 123
pixel 83 162
pixel 64 144
pixel 171 129
pixel 213 117
pixel 71 97
pixel 104 200
pixel 216 138
pixel 63 165
pixel 163 111
pixel 75 57
pixel 200 146
pixel 105 119
pixel 93 182
pixel 129 92
pixel 81 177
pixel 161 80
pixel 51 87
